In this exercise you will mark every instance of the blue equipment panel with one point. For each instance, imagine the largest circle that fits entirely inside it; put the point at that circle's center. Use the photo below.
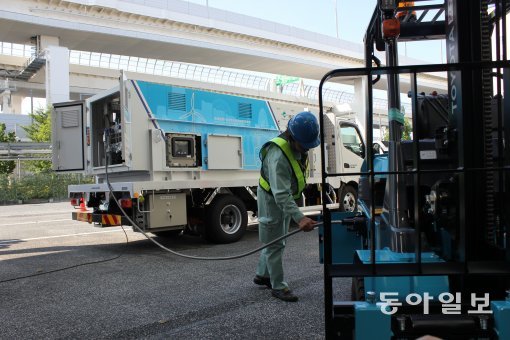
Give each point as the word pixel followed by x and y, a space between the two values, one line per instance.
pixel 404 285
pixel 501 311
pixel 370 322
pixel 346 244
pixel 183 110
pixel 380 165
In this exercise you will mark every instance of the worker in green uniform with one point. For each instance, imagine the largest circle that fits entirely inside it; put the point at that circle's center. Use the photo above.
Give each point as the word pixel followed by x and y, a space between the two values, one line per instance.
pixel 282 181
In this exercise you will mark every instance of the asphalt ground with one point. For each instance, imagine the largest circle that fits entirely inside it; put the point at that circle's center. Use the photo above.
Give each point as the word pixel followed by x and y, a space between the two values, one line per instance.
pixel 146 293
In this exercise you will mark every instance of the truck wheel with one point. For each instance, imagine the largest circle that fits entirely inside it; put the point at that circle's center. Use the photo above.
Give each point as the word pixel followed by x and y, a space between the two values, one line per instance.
pixel 226 219
pixel 348 199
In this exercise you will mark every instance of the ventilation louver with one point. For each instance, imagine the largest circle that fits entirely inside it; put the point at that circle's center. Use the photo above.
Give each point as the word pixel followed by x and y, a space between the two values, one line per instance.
pixel 70 119
pixel 177 101
pixel 245 111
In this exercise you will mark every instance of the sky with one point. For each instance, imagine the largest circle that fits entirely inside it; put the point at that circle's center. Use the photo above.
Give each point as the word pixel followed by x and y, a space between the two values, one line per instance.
pixel 319 16
pixel 316 16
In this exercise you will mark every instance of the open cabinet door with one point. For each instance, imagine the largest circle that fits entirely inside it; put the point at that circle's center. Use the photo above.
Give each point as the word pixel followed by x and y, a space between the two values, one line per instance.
pixel 68 136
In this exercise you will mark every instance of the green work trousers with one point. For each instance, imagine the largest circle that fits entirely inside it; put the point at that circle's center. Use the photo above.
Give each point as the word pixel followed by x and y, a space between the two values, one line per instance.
pixel 270 261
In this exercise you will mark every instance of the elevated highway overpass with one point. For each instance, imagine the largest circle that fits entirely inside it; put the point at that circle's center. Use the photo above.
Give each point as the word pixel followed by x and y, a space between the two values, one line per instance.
pixel 180 31
pixel 170 30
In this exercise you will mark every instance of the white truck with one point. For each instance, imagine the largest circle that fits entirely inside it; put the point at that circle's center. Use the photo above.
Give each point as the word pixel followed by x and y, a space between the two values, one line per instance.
pixel 185 155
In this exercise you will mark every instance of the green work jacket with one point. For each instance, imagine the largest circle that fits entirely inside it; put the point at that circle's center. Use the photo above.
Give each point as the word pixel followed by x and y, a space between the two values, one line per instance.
pixel 277 199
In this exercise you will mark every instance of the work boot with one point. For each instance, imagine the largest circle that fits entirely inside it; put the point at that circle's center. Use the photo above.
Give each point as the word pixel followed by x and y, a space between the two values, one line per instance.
pixel 262 281
pixel 284 294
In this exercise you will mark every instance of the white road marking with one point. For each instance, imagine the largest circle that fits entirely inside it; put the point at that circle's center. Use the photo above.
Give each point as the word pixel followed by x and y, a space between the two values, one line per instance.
pixel 57 236
pixel 34 222
pixel 11 215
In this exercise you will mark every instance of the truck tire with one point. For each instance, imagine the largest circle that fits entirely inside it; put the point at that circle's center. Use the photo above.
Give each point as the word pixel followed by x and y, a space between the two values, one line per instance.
pixel 227 219
pixel 348 199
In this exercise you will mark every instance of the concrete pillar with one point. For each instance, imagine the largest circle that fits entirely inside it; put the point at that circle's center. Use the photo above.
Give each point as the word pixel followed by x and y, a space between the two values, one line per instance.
pixel 16 103
pixel 45 41
pixel 57 74
pixel 359 105
pixel 11 103
pixel 6 101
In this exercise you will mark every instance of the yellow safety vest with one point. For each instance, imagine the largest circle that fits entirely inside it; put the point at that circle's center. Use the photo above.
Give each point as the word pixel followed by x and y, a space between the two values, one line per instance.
pixel 300 170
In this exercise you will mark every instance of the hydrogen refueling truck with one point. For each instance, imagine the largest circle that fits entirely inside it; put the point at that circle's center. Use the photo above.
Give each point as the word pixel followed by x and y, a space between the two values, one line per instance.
pixel 187 156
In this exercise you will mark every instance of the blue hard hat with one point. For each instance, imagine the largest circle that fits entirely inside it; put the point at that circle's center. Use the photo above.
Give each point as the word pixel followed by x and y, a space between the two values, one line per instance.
pixel 304 128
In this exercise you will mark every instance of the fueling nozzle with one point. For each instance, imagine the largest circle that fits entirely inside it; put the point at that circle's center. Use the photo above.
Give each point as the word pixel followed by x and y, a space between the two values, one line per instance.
pixel 356 224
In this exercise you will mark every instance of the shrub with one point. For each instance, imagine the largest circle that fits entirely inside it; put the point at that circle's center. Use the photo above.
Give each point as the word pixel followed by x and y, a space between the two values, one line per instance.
pixel 38 186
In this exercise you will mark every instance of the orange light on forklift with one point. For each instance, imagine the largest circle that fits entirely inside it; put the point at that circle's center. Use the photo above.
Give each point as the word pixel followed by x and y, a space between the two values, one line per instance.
pixel 391 28
pixel 126 203
pixel 402 14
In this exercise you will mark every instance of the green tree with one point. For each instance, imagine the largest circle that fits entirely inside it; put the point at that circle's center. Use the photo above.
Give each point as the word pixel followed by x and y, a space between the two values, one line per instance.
pixel 6 167
pixel 39 131
pixel 406 133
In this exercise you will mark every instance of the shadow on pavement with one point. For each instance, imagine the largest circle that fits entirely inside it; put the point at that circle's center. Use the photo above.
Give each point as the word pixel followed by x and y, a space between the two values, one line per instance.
pixel 7 243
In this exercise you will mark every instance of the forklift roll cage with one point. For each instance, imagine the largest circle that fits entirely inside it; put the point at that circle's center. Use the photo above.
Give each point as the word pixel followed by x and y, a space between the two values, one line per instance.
pixel 474 258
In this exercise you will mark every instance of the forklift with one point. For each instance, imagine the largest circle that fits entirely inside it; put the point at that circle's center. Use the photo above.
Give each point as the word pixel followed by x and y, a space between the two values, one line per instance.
pixel 428 250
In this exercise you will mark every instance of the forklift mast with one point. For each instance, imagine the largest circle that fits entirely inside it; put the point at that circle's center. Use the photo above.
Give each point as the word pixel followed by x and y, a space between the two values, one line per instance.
pixel 467 27
pixel 435 211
